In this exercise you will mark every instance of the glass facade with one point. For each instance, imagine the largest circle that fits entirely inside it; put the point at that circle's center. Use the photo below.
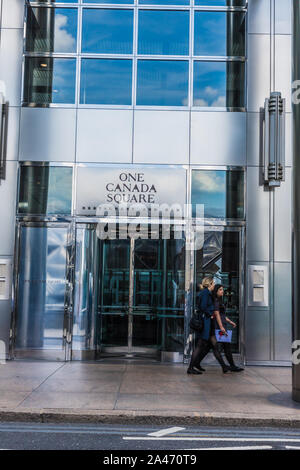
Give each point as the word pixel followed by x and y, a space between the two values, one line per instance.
pixel 45 190
pixel 221 192
pixel 195 54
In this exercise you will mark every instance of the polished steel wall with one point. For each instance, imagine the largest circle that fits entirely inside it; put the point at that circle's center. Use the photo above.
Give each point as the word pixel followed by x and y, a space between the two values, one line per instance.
pixel 156 136
pixel 11 45
pixel 296 201
pixel 268 329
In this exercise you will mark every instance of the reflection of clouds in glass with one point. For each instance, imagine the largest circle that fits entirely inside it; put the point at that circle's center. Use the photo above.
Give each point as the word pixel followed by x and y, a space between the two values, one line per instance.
pixel 210 91
pixel 209 84
pixel 63 40
pixel 220 102
pixel 162 83
pixel 107 31
pixel 210 33
pixel 173 38
pixel 200 102
pixel 107 81
pixel 63 82
pixel 209 181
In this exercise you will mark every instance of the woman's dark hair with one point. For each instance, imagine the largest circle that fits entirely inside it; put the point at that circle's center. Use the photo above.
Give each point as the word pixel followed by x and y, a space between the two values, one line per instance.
pixel 215 294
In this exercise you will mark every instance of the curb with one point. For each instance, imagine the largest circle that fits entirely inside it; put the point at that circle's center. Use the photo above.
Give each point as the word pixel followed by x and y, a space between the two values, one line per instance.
pixel 146 418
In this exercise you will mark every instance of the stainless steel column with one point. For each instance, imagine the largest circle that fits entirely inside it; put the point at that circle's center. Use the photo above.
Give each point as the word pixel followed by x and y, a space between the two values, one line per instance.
pixel 296 199
pixel 131 294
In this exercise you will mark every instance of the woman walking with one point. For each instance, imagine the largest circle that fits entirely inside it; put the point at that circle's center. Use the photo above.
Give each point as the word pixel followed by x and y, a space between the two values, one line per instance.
pixel 221 321
pixel 206 339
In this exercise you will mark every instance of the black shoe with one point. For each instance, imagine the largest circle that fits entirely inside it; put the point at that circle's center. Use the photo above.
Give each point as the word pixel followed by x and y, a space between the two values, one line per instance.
pixel 236 369
pixel 193 371
pixel 199 368
pixel 226 369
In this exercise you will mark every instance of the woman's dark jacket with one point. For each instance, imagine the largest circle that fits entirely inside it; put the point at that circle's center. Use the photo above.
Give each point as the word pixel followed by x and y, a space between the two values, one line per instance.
pixel 205 304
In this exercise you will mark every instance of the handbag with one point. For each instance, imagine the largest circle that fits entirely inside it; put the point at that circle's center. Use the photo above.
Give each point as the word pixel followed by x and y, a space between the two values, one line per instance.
pixel 197 322
pixel 222 337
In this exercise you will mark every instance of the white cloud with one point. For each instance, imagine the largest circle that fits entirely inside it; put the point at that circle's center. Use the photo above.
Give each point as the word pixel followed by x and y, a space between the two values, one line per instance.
pixel 210 181
pixel 210 91
pixel 63 41
pixel 200 102
pixel 220 102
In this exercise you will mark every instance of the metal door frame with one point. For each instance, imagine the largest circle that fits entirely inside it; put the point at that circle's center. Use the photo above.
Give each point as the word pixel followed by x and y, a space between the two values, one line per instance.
pixel 46 354
pixel 241 229
pixel 129 350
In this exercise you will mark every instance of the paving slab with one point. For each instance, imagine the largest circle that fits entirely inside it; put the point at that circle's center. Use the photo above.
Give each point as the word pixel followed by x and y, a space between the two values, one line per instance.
pixel 145 392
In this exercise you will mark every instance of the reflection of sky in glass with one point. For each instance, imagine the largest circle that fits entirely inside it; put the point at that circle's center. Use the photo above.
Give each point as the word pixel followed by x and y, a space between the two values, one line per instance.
pixel 223 3
pixel 117 2
pixel 60 191
pixel 57 1
pixel 171 39
pixel 162 83
pixel 221 193
pixel 209 84
pixel 106 81
pixel 164 2
pixel 42 38
pixel 107 31
pixel 50 80
pixel 65 34
pixel 209 188
pixel 210 33
pixel 63 84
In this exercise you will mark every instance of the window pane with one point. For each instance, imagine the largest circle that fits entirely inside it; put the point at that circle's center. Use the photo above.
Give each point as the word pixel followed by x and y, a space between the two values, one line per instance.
pixel 55 1
pixel 219 84
pixel 106 81
pixel 171 39
pixel 51 30
pixel 219 33
pixel 164 2
pixel 162 82
pixel 221 192
pixel 107 31
pixel 223 3
pixel 45 190
pixel 117 2
pixel 49 80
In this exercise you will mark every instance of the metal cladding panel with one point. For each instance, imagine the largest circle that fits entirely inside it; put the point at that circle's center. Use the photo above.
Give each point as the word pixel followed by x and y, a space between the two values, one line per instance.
pixel 283 16
pixel 283 311
pixel 254 138
pixel 288 141
pixel 258 70
pixel 5 318
pixel 259 16
pixel 13 133
pixel 8 189
pixel 11 65
pixel 161 137
pixel 13 13
pixel 257 334
pixel 283 67
pixel 257 218
pixel 104 136
pixel 47 134
pixel 283 219
pixel 218 138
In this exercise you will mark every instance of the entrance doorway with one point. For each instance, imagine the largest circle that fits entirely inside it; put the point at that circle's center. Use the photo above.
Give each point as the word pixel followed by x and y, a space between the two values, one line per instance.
pixel 78 296
pixel 129 294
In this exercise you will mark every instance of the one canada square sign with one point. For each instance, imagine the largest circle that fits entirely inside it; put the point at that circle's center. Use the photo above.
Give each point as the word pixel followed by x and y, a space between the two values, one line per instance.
pixel 129 185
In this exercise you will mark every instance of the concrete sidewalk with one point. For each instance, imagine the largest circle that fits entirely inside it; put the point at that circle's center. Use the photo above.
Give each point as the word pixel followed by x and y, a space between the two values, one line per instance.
pixel 145 392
